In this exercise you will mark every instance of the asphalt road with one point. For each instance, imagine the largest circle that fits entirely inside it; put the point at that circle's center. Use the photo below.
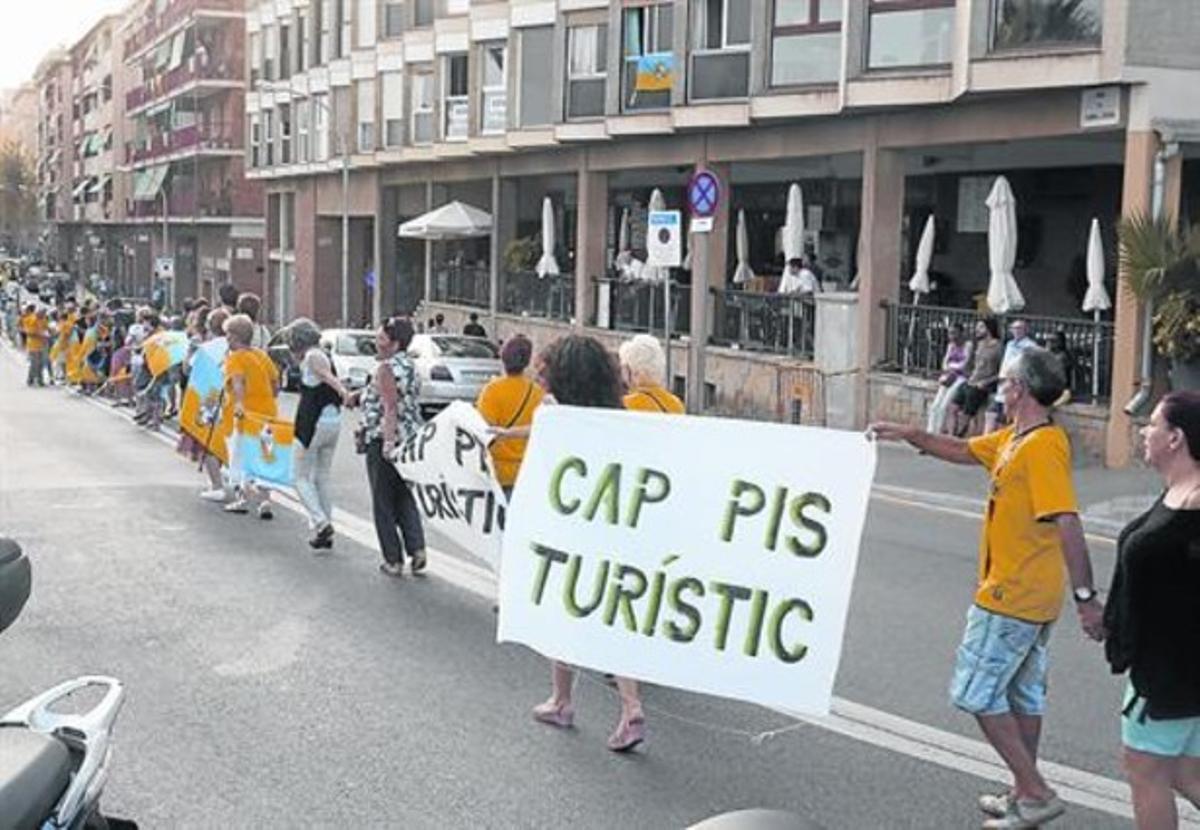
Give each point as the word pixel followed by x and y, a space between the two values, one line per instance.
pixel 272 688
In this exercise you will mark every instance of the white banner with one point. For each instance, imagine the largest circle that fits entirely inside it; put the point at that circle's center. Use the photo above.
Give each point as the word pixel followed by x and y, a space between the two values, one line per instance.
pixel 708 554
pixel 450 473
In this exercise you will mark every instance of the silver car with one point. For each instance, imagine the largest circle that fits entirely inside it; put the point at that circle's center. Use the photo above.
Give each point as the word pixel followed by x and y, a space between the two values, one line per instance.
pixel 352 352
pixel 452 367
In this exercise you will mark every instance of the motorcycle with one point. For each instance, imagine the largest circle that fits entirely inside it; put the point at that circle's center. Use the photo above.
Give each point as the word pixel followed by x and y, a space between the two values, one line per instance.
pixel 53 765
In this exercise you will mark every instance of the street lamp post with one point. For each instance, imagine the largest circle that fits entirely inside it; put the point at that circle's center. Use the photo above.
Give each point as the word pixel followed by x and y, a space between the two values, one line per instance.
pixel 344 152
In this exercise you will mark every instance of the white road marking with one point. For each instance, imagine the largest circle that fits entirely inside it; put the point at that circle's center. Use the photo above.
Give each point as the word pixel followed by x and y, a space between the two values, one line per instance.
pixel 853 720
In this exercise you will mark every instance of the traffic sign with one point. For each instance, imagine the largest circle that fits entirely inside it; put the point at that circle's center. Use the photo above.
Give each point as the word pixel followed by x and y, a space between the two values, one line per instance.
pixel 704 193
pixel 664 239
pixel 164 268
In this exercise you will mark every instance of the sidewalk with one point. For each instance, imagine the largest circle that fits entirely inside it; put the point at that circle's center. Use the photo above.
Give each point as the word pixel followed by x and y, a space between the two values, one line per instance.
pixel 1109 499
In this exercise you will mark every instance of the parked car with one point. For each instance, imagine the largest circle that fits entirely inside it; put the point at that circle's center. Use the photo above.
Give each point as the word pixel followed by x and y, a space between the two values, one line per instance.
pixel 452 367
pixel 289 369
pixel 352 352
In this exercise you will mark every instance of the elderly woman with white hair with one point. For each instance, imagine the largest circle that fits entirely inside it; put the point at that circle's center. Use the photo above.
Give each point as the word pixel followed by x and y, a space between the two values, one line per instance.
pixel 318 425
pixel 643 365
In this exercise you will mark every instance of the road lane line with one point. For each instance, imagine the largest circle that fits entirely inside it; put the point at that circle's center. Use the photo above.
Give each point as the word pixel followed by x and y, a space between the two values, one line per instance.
pixel 859 722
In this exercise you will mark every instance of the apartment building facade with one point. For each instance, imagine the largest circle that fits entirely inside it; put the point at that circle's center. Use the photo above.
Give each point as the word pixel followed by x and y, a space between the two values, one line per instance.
pixel 55 149
pixel 188 201
pixel 885 112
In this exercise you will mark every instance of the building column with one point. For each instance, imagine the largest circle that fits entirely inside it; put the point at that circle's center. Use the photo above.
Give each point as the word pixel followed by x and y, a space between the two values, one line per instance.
pixel 591 238
pixel 494 250
pixel 428 246
pixel 879 259
pixel 1137 196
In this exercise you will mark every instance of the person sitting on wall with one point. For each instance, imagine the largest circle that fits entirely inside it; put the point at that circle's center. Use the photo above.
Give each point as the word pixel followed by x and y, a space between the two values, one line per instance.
pixel 473 328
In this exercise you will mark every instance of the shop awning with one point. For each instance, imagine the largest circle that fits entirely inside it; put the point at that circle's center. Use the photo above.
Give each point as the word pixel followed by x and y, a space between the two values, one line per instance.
pixel 81 188
pixel 177 50
pixel 148 183
pixel 162 55
pixel 452 221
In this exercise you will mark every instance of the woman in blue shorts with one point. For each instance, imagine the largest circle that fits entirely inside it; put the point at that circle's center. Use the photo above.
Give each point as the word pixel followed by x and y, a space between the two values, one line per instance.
pixel 1153 622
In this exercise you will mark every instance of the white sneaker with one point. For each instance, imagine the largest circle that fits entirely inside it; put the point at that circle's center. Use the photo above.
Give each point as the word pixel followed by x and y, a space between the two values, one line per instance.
pixel 217 495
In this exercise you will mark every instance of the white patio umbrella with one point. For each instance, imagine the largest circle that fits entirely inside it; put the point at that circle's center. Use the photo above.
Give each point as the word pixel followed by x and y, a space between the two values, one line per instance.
pixel 547 265
pixel 1096 300
pixel 1004 295
pixel 742 274
pixel 654 273
pixel 624 257
pixel 919 284
pixel 793 225
pixel 451 221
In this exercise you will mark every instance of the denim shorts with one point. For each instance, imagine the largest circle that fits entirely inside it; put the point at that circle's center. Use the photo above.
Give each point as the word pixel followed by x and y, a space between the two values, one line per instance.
pixel 1001 665
pixel 1168 738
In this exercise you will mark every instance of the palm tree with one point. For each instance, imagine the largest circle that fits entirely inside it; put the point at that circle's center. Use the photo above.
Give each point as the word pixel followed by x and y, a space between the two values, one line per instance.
pixel 1026 22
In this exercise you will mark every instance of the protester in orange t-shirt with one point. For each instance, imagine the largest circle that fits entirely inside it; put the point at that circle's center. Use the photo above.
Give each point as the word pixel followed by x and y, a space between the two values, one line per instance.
pixel 251 385
pixel 35 330
pixel 643 365
pixel 508 402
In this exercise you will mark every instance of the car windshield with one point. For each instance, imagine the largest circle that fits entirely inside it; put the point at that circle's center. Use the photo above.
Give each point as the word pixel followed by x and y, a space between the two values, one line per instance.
pixel 356 345
pixel 466 347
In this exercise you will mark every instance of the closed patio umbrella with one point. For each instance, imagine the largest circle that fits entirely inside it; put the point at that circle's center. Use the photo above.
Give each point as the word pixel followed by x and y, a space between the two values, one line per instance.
pixel 919 284
pixel 547 265
pixel 742 274
pixel 655 273
pixel 793 225
pixel 1096 300
pixel 1004 295
pixel 624 256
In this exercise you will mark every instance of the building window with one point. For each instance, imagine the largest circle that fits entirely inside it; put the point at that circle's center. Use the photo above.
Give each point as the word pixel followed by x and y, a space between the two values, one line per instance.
pixel 534 89
pixel 303 40
pixel 493 116
pixel 255 141
pixel 285 134
pixel 393 19
pixel 455 103
pixel 366 13
pixel 649 69
pixel 271 54
pixel 1021 24
pixel 422 108
pixel 268 138
pixel 906 33
pixel 392 100
pixel 720 49
pixel 346 28
pixel 285 52
pixel 806 44
pixel 256 57
pixel 422 13
pixel 303 108
pixel 320 127
pixel 587 61
pixel 324 28
pixel 366 116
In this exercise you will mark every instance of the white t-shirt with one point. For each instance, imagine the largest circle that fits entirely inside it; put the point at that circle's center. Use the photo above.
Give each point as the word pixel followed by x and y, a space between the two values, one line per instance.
pixel 308 376
pixel 803 281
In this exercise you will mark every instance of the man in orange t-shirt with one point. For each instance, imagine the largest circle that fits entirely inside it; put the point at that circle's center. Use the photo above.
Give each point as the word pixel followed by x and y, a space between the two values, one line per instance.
pixel 1032 542
pixel 35 329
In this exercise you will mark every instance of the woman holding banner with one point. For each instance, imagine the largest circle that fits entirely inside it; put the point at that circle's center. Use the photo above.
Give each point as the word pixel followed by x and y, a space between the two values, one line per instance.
pixel 578 371
pixel 318 425
pixel 252 385
pixel 509 402
pixel 391 416
pixel 643 364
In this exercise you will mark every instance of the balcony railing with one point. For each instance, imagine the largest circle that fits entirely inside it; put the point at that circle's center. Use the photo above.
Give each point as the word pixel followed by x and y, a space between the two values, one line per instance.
pixel 462 285
pixel 638 306
pixel 772 323
pixel 204 205
pixel 527 294
pixel 197 136
pixel 175 11
pixel 180 76
pixel 918 335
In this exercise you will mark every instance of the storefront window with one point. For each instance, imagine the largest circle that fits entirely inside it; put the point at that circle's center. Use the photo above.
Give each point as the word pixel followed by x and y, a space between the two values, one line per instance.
pixel 1029 23
pixel 649 69
pixel 806 45
pixel 908 33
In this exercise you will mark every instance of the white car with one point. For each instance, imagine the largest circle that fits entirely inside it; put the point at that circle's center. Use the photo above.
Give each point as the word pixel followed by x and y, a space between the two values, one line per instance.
pixel 452 367
pixel 352 352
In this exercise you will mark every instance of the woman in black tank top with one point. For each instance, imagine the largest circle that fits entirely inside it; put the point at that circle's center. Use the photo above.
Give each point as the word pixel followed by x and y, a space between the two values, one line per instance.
pixel 1153 621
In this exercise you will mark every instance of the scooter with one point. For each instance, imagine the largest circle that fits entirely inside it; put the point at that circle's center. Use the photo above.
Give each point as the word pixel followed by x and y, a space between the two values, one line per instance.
pixel 53 766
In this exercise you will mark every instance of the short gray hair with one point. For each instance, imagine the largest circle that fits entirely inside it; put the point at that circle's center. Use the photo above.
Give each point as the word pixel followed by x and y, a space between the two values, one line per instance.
pixel 302 334
pixel 644 358
pixel 1042 374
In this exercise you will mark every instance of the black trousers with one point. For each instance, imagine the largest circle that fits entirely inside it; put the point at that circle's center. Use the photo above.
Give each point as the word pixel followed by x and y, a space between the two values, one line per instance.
pixel 393 507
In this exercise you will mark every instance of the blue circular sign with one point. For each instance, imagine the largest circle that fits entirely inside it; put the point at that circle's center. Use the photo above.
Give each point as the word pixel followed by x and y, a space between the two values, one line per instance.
pixel 704 193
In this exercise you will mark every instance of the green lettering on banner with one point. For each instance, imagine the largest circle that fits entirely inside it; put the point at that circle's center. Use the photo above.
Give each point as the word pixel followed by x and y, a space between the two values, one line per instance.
pixel 821 536
pixel 556 479
pixel 684 609
pixel 736 508
pixel 608 492
pixel 656 591
pixel 643 494
pixel 758 607
pixel 571 582
pixel 549 556
pixel 729 594
pixel 621 598
pixel 797 652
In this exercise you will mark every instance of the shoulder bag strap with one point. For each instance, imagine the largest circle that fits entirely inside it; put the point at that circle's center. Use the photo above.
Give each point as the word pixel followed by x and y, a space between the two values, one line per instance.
pixel 521 408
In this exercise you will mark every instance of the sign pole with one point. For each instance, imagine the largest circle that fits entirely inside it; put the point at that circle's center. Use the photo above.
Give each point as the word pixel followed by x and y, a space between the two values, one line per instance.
pixel 704 199
pixel 667 326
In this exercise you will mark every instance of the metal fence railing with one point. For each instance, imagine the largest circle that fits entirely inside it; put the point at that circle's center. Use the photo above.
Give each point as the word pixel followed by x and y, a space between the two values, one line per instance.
pixel 773 323
pixel 526 294
pixel 917 336
pixel 625 305
pixel 462 285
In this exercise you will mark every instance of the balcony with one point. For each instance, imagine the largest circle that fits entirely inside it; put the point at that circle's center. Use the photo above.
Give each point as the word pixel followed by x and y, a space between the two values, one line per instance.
pixel 168 83
pixel 197 137
pixel 226 203
pixel 175 11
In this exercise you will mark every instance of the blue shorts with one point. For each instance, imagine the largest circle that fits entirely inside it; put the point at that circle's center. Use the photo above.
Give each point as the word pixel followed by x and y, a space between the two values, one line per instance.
pixel 1001 665
pixel 1174 738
